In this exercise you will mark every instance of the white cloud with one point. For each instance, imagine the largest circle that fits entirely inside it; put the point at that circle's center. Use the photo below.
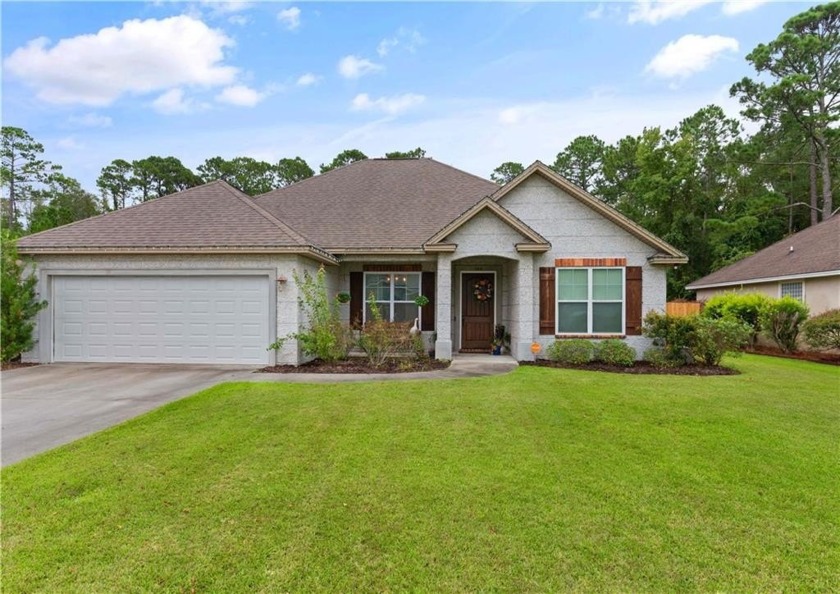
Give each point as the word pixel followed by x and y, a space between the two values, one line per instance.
pixel 654 12
pixel 690 54
pixel 69 144
pixel 290 17
pixel 239 19
pixel 240 95
pixel 308 79
pixel 408 39
pixel 595 13
pixel 173 102
pixel 230 7
pixel 356 67
pixel 393 105
pixel 732 7
pixel 90 120
pixel 137 57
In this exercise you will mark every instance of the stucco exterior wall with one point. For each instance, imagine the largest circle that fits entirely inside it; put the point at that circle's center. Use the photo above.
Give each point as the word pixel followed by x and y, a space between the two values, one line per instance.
pixel 285 315
pixel 820 294
pixel 575 230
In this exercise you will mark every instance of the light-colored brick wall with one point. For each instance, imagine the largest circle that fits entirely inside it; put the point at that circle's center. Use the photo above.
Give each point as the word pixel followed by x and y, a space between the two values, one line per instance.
pixel 575 230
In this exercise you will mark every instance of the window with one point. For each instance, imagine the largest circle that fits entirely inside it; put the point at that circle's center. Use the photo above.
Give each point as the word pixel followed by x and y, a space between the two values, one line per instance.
pixel 394 293
pixel 791 290
pixel 590 300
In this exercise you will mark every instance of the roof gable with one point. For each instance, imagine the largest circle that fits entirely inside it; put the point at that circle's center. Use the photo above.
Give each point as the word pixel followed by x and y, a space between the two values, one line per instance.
pixel 813 250
pixel 668 254
pixel 533 241
pixel 211 216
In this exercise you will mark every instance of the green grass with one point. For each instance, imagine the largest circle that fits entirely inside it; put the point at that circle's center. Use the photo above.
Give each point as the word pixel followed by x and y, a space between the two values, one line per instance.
pixel 542 480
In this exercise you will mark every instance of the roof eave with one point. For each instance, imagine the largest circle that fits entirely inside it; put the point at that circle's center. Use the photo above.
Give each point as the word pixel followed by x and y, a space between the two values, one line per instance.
pixel 766 279
pixel 309 251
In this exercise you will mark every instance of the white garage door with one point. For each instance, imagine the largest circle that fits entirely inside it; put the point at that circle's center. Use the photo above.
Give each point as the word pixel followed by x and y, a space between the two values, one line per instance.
pixel 161 319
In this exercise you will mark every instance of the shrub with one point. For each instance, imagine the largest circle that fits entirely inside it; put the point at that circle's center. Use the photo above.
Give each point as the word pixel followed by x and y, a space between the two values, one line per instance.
pixel 746 307
pixel 616 352
pixel 382 340
pixel 823 331
pixel 713 338
pixel 325 336
pixel 657 357
pixel 19 302
pixel 781 320
pixel 675 334
pixel 575 351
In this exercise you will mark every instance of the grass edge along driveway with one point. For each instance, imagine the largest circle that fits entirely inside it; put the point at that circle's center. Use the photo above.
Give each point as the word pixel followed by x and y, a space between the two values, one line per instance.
pixel 539 480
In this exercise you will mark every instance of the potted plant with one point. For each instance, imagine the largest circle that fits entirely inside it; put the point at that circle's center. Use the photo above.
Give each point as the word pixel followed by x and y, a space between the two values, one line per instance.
pixel 343 297
pixel 500 339
pixel 421 301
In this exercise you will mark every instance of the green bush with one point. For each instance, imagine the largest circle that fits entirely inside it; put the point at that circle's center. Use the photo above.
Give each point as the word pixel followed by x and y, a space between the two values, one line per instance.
pixel 325 336
pixel 782 319
pixel 382 340
pixel 616 352
pixel 19 302
pixel 675 334
pixel 574 351
pixel 746 307
pixel 713 338
pixel 657 357
pixel 823 331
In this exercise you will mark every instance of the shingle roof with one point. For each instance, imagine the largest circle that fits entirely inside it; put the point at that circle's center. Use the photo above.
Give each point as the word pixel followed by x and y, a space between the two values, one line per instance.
pixel 212 215
pixel 815 250
pixel 377 203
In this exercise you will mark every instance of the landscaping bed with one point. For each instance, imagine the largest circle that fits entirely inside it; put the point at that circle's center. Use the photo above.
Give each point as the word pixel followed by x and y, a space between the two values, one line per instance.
pixel 814 356
pixel 639 368
pixel 360 365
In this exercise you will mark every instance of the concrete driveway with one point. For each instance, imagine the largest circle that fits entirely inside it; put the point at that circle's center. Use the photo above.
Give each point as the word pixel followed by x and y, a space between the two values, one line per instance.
pixel 50 405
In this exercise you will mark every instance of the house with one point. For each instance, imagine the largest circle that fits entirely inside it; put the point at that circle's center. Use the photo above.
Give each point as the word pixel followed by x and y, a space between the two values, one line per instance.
pixel 207 275
pixel 805 266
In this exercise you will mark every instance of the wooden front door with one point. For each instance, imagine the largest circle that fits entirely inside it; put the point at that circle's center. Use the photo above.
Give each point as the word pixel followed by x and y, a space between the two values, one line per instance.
pixel 478 303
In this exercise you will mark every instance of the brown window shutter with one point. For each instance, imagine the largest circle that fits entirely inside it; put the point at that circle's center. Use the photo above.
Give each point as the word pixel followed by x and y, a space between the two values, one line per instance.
pixel 548 301
pixel 633 300
pixel 428 310
pixel 357 298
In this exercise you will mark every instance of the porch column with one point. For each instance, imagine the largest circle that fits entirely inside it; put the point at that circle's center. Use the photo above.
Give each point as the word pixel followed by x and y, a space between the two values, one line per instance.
pixel 526 306
pixel 443 307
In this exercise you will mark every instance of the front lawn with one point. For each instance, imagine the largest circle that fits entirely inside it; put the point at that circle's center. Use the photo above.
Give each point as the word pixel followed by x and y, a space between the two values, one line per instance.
pixel 542 480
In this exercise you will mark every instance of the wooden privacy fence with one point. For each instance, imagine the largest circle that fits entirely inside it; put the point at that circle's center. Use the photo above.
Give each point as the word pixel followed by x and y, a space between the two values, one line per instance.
pixel 682 308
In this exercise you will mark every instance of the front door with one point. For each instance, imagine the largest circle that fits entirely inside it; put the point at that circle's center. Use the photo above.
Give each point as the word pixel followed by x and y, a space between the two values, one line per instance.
pixel 478 304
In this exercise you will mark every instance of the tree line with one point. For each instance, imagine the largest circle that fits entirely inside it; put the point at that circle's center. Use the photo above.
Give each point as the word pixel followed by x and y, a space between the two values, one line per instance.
pixel 706 186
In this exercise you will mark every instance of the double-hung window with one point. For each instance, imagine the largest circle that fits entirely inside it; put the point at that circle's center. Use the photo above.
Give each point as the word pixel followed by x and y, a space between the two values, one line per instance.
pixel 590 301
pixel 394 293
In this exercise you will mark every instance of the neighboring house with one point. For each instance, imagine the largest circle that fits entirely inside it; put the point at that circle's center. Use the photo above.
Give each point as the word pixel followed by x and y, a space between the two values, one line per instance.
pixel 206 275
pixel 805 266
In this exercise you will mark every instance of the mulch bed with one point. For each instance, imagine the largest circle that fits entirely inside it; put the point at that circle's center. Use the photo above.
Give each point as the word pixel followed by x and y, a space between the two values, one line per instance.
pixel 814 356
pixel 359 365
pixel 15 365
pixel 638 368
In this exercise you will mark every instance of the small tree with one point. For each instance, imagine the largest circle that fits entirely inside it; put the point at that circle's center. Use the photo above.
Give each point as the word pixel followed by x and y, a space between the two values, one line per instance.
pixel 325 336
pixel 19 302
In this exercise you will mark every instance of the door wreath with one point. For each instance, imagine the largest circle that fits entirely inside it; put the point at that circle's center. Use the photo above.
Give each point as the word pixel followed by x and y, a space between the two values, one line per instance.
pixel 483 289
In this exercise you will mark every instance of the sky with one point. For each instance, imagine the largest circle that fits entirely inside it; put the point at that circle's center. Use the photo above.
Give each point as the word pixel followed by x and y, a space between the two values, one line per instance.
pixel 473 83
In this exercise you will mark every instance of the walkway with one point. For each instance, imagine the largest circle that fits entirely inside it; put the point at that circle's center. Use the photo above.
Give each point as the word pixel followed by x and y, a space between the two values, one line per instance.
pixel 463 365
